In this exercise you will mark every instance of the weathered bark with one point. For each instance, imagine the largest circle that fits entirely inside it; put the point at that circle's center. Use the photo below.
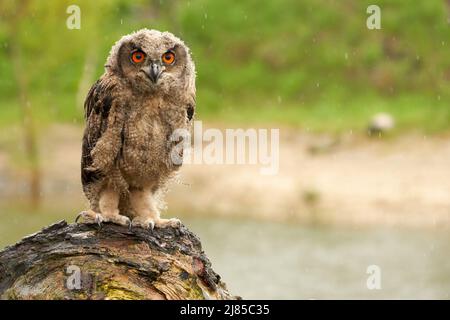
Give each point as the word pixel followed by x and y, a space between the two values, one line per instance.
pixel 114 263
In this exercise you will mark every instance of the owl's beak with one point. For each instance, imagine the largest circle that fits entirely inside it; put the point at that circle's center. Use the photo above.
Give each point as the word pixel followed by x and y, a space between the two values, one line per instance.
pixel 153 72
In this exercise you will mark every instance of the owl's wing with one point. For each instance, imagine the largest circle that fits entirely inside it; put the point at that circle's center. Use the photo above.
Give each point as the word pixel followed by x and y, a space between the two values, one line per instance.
pixel 96 112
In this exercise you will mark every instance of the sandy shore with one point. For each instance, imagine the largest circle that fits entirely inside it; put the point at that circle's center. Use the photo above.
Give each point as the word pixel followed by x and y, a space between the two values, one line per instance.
pixel 349 179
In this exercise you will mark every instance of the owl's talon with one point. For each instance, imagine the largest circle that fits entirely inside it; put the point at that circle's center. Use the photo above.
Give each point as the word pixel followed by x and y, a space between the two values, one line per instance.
pixel 79 215
pixel 145 223
pixel 177 223
pixel 129 223
pixel 90 217
pixel 173 222
pixel 119 219
pixel 99 220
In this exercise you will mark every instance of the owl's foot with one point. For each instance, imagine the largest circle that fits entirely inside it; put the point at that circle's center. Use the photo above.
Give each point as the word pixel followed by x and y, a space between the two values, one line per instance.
pixel 151 223
pixel 173 222
pixel 90 217
pixel 118 219
pixel 145 223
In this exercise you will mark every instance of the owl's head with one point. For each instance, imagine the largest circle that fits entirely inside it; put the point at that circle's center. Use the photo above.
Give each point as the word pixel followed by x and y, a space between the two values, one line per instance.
pixel 150 61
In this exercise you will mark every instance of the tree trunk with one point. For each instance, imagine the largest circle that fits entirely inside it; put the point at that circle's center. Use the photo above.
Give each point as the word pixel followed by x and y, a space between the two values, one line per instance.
pixel 29 131
pixel 81 261
pixel 90 61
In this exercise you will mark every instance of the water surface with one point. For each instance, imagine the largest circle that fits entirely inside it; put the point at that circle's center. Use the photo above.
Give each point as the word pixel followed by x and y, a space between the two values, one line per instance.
pixel 263 260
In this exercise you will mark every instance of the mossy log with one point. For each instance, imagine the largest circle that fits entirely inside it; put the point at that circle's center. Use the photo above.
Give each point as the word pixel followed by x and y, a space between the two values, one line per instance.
pixel 81 261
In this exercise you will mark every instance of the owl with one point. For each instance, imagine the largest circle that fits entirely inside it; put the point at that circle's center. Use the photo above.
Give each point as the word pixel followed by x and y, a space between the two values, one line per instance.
pixel 146 93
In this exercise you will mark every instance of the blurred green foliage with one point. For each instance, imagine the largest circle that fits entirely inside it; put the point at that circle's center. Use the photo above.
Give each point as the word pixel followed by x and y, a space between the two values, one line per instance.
pixel 310 63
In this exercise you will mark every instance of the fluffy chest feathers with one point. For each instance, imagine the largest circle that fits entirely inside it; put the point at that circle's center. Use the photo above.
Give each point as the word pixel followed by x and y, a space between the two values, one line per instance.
pixel 146 140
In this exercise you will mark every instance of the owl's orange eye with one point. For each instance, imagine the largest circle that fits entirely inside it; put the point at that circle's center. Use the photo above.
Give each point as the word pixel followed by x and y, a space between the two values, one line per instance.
pixel 168 57
pixel 138 56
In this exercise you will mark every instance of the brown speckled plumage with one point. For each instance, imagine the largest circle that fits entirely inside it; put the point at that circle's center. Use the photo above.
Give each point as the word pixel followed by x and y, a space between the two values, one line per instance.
pixel 130 117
